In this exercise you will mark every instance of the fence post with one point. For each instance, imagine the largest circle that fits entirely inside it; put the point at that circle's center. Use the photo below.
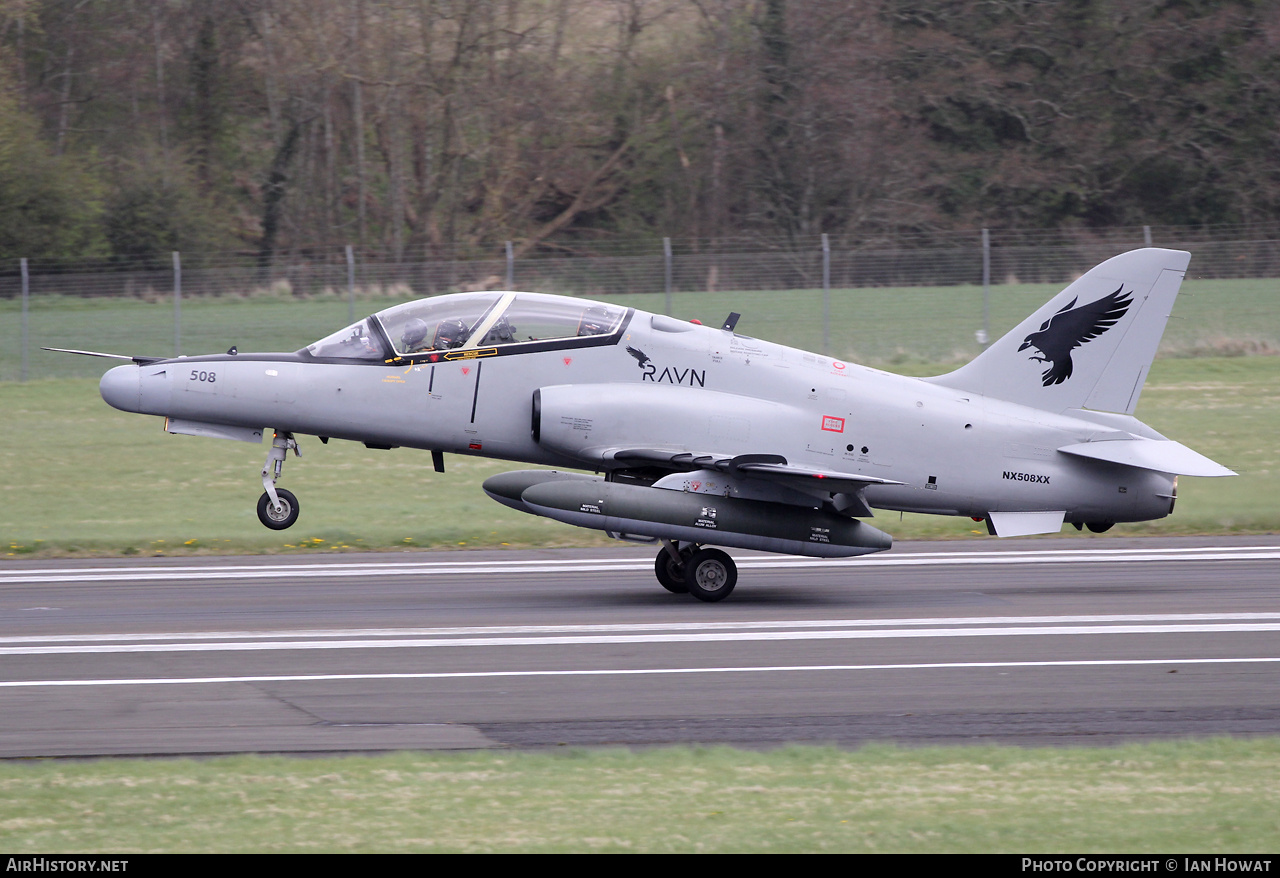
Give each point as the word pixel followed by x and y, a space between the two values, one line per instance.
pixel 986 288
pixel 177 304
pixel 826 294
pixel 666 261
pixel 351 286
pixel 25 306
pixel 511 267
pixel 1146 236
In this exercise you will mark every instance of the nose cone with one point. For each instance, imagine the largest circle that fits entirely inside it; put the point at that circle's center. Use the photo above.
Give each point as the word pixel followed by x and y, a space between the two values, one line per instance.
pixel 121 387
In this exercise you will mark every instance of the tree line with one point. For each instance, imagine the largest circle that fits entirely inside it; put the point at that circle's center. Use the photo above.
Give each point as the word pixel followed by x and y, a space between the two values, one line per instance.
pixel 130 128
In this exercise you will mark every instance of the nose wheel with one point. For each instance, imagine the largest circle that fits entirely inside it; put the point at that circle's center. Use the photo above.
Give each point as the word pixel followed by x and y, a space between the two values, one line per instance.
pixel 707 574
pixel 278 508
pixel 280 514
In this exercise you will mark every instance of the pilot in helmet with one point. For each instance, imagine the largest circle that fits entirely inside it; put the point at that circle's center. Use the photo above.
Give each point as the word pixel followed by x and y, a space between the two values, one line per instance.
pixel 415 332
pixel 451 333
pixel 595 321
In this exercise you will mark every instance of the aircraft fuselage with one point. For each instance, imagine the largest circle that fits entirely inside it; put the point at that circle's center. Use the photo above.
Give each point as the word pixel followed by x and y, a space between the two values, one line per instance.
pixel 666 383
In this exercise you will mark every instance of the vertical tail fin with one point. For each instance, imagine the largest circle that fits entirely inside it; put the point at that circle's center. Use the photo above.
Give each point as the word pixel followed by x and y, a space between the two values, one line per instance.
pixel 1090 346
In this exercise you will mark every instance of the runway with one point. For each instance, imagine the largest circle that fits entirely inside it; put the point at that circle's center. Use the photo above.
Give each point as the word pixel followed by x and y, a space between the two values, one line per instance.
pixel 1092 641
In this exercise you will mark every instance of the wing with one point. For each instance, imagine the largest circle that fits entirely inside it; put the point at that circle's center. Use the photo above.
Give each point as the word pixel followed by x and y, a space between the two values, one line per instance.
pixel 1073 328
pixel 843 489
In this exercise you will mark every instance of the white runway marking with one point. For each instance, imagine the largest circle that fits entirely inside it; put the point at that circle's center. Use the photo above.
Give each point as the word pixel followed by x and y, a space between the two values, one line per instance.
pixel 344 569
pixel 588 635
pixel 781 625
pixel 634 672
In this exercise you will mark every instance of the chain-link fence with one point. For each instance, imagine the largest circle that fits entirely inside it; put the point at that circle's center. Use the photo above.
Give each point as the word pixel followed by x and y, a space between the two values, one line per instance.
pixel 921 296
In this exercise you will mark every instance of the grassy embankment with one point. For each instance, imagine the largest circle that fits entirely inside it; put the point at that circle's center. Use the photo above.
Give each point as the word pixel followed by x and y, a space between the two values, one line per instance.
pixel 82 478
pixel 1207 797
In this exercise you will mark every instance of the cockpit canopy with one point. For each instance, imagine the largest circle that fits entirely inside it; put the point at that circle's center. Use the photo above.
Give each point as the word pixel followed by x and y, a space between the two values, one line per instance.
pixel 468 321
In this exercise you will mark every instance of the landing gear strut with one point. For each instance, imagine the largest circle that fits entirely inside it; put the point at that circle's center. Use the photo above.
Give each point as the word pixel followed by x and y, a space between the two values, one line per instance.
pixel 707 574
pixel 669 567
pixel 278 508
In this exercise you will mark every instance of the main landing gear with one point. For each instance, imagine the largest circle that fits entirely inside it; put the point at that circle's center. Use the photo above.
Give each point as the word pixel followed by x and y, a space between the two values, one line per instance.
pixel 278 508
pixel 688 568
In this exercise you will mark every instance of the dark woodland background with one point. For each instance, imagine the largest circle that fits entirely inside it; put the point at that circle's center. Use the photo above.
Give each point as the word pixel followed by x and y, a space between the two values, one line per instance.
pixel 131 128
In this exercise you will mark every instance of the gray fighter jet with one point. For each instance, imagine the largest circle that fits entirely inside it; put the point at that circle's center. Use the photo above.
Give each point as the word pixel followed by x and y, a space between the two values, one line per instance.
pixel 694 436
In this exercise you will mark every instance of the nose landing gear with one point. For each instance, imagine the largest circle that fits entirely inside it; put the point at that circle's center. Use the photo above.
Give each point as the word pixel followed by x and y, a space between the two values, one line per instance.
pixel 278 508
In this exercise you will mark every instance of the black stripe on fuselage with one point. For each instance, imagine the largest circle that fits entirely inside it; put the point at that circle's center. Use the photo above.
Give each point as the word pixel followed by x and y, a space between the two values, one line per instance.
pixel 475 396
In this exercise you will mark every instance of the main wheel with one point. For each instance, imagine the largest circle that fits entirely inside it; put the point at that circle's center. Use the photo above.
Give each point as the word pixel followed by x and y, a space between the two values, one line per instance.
pixel 278 519
pixel 710 575
pixel 670 574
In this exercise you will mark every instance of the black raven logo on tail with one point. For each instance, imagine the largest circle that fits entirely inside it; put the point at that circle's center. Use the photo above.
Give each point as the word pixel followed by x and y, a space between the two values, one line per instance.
pixel 1071 327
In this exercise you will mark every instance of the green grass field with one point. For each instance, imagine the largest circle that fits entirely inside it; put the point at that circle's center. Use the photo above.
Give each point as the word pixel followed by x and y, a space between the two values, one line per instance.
pixel 1216 796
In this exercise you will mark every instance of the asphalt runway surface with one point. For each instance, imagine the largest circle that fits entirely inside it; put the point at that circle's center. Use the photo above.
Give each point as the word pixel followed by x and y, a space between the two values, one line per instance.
pixel 1036 642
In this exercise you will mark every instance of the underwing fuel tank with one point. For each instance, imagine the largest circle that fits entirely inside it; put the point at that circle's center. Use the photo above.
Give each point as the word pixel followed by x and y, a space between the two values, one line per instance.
pixel 703 518
pixel 507 488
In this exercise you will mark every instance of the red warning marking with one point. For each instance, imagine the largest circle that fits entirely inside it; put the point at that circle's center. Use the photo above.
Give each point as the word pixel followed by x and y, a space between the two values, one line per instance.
pixel 837 365
pixel 832 425
pixel 474 446
pixel 568 360
pixel 466 369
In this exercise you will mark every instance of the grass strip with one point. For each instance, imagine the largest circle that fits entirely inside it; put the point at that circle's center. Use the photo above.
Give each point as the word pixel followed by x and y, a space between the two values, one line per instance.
pixel 1210 796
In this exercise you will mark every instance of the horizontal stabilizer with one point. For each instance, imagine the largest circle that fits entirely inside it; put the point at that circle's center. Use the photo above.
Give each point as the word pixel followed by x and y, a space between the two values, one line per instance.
pixel 1161 455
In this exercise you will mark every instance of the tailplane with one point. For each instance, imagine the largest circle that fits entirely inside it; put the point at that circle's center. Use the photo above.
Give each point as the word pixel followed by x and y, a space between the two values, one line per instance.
pixel 1090 346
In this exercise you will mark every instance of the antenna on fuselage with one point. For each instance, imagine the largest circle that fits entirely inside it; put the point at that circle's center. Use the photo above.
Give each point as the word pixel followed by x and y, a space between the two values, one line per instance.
pixel 731 321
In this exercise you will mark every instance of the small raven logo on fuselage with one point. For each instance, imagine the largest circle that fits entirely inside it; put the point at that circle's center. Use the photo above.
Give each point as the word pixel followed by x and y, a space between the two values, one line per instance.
pixel 1071 327
pixel 670 374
